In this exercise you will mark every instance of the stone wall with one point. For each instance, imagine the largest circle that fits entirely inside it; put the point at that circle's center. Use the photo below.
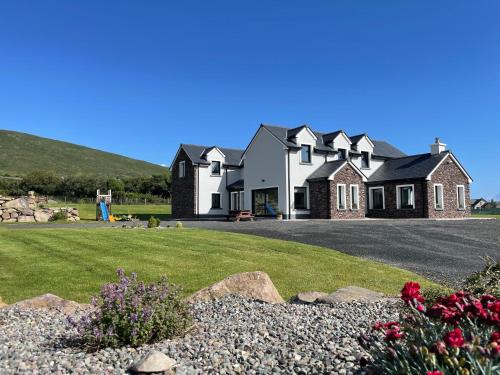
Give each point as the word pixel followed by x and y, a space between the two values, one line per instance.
pixel 183 189
pixel 26 210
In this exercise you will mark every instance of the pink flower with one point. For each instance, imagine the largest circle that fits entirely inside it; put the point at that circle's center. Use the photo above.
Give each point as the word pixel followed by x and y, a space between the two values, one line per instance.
pixel 435 372
pixel 454 339
pixel 495 337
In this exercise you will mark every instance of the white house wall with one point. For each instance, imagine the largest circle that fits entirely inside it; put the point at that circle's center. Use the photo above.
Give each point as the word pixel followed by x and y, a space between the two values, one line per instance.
pixel 265 167
pixel 209 184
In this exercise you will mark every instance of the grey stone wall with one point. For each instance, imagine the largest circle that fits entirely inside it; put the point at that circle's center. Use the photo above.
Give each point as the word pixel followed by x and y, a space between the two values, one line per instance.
pixel 184 189
pixel 391 210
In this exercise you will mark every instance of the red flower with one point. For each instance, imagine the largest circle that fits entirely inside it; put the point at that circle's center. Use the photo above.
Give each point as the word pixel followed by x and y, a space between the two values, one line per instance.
pixel 411 293
pixel 495 337
pixel 378 326
pixel 439 348
pixel 394 332
pixel 435 372
pixel 391 325
pixel 454 338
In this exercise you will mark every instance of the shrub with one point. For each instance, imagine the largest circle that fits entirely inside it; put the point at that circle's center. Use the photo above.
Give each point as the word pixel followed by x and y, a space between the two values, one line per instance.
pixel 178 225
pixel 132 313
pixel 60 215
pixel 153 222
pixel 486 281
pixel 459 334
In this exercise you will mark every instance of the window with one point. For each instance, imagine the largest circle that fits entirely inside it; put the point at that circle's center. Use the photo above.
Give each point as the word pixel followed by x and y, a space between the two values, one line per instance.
pixel 438 197
pixel 354 197
pixel 305 154
pixel 377 198
pixel 461 197
pixel 405 197
pixel 341 197
pixel 242 200
pixel 300 198
pixel 365 159
pixel 216 200
pixel 182 169
pixel 342 153
pixel 235 201
pixel 215 165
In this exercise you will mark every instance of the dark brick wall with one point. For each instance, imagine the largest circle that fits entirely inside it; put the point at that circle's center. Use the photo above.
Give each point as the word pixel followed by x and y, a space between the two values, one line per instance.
pixel 183 189
pixel 323 196
pixel 450 176
pixel 391 210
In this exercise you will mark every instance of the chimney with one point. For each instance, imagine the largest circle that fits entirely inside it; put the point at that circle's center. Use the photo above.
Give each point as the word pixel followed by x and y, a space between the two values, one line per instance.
pixel 437 147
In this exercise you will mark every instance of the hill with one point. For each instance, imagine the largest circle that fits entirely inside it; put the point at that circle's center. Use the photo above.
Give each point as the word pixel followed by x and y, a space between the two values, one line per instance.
pixel 21 153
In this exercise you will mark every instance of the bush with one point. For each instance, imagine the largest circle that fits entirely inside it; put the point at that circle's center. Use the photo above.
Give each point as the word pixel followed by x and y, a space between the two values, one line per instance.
pixel 178 225
pixel 459 334
pixel 60 215
pixel 486 281
pixel 153 222
pixel 132 313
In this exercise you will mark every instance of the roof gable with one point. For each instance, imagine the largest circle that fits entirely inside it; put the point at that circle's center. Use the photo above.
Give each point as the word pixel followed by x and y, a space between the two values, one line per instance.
pixel 329 169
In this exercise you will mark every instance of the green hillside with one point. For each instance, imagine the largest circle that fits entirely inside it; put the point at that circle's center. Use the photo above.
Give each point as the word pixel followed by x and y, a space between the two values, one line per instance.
pixel 22 153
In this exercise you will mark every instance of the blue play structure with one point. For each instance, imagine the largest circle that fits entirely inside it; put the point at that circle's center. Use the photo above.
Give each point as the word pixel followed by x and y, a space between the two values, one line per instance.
pixel 269 209
pixel 104 211
pixel 103 206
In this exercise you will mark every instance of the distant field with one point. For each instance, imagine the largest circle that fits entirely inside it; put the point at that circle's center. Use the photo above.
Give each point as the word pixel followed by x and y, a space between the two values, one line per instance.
pixel 74 262
pixel 143 212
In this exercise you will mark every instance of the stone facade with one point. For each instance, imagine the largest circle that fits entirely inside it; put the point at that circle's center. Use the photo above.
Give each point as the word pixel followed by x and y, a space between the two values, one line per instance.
pixel 184 189
pixel 323 196
pixel 449 175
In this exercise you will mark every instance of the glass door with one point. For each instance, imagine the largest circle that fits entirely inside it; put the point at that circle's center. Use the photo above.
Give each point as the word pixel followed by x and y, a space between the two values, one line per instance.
pixel 265 202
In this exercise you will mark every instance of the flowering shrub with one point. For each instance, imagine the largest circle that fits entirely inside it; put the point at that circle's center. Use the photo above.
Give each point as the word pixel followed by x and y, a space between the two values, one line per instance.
pixel 486 281
pixel 132 313
pixel 458 334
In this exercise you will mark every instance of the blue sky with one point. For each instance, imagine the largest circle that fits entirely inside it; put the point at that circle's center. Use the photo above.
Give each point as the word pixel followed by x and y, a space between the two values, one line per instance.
pixel 140 77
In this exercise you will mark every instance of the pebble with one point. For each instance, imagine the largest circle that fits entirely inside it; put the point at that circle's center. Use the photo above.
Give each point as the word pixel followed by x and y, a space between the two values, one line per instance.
pixel 231 336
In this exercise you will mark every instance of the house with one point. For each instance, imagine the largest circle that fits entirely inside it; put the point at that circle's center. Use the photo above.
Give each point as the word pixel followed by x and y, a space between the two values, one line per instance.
pixel 478 204
pixel 303 173
pixel 491 205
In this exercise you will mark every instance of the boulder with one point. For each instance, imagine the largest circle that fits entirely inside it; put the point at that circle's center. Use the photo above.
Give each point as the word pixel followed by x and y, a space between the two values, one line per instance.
pixel 19 204
pixel 28 212
pixel 154 361
pixel 71 219
pixel 5 215
pixel 351 294
pixel 14 215
pixel 2 303
pixel 42 216
pixel 9 221
pixel 51 302
pixel 26 219
pixel 306 298
pixel 251 285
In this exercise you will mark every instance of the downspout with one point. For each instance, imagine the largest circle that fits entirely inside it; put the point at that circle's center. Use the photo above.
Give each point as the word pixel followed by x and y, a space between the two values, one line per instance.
pixel 198 192
pixel 229 195
pixel 288 193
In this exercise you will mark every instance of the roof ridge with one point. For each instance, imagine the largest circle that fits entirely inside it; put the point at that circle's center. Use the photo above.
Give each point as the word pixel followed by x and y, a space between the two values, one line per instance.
pixel 207 147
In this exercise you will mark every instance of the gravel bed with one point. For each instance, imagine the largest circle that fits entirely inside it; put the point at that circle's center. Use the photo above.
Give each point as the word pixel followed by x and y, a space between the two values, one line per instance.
pixel 230 336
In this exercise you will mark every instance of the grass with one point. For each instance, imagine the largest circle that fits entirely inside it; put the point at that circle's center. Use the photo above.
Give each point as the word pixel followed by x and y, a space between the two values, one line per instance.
pixel 487 216
pixel 73 263
pixel 143 212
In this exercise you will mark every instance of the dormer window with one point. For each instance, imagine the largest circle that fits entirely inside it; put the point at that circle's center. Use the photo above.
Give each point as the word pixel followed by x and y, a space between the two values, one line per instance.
pixel 215 168
pixel 305 154
pixel 342 154
pixel 365 159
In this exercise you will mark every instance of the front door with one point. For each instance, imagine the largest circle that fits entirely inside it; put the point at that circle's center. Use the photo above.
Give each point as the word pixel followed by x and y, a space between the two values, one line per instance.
pixel 265 202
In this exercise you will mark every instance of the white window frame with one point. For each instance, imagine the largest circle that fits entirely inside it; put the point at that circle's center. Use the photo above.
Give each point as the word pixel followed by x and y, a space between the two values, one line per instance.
pixel 182 169
pixel 212 201
pixel 310 154
pixel 344 195
pixel 212 169
pixel 458 198
pixel 242 200
pixel 370 197
pixel 398 196
pixel 369 160
pixel 306 200
pixel 357 196
pixel 442 198
pixel 233 194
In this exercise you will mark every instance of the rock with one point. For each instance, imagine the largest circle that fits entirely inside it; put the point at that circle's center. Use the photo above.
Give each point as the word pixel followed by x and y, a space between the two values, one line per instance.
pixel 350 294
pixel 14 215
pixel 251 285
pixel 28 212
pixel 153 361
pixel 5 216
pixel 42 216
pixel 71 218
pixel 2 303
pixel 19 204
pixel 26 219
pixel 308 297
pixel 52 302
pixel 9 221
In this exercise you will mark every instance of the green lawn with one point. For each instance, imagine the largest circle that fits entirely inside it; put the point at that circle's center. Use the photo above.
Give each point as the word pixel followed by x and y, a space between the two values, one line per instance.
pixel 487 216
pixel 143 212
pixel 74 262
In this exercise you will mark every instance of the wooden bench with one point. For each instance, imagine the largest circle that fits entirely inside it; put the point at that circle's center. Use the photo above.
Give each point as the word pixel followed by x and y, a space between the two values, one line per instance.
pixel 241 215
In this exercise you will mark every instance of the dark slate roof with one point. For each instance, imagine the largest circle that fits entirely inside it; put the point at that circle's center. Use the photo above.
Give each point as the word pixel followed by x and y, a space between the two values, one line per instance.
pixel 327 169
pixel 238 185
pixel 409 167
pixel 293 132
pixel 382 149
pixel 195 152
pixel 356 138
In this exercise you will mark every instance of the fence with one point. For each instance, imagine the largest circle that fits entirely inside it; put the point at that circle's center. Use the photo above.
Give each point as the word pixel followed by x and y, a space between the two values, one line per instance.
pixel 490 211
pixel 117 201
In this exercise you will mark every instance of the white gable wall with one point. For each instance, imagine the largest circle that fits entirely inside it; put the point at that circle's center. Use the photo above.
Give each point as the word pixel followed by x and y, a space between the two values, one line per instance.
pixel 209 184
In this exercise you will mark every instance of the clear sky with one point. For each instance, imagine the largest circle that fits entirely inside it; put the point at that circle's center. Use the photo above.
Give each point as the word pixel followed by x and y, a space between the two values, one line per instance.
pixel 140 77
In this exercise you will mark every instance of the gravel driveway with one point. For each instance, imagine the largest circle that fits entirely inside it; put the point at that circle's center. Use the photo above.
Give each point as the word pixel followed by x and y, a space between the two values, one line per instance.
pixel 440 250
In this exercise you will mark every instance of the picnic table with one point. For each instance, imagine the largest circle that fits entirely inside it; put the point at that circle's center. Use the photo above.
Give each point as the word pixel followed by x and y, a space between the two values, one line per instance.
pixel 241 215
